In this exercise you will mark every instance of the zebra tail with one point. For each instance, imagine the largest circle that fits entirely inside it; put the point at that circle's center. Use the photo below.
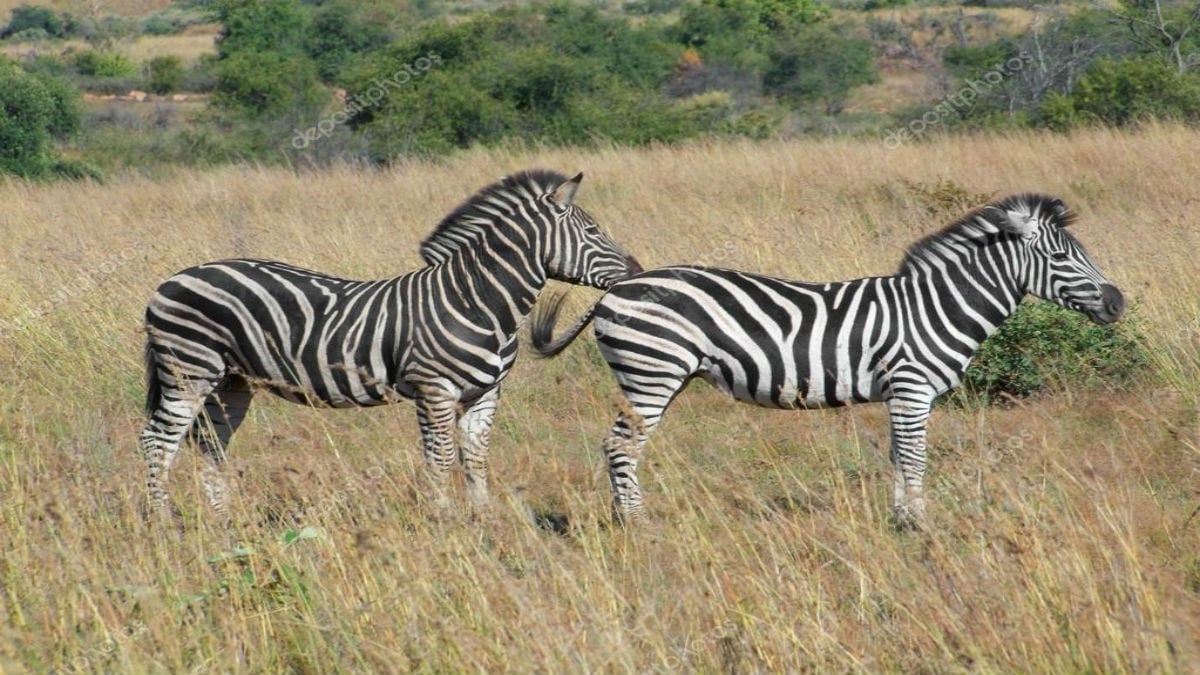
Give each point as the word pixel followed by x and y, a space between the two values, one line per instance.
pixel 541 330
pixel 153 386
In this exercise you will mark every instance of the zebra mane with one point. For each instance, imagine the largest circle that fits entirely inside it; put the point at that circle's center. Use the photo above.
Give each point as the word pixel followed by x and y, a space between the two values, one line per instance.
pixel 970 228
pixel 465 225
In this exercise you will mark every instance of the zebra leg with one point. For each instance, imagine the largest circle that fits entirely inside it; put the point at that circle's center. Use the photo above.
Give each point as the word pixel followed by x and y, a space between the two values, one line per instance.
pixel 178 405
pixel 224 410
pixel 909 416
pixel 627 440
pixel 435 417
pixel 475 431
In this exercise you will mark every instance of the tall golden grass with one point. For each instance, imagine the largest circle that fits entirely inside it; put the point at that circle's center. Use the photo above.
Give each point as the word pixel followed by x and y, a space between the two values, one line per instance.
pixel 1064 535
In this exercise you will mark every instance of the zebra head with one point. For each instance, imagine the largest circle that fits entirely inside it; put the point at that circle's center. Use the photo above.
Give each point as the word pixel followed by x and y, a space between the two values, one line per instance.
pixel 577 250
pixel 1057 267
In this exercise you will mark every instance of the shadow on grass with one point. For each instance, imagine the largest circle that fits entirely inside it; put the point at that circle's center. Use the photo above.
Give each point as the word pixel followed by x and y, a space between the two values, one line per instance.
pixel 553 522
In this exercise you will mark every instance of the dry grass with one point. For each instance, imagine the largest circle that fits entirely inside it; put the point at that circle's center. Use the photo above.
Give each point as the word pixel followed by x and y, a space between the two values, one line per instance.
pixel 134 8
pixel 1062 537
pixel 189 46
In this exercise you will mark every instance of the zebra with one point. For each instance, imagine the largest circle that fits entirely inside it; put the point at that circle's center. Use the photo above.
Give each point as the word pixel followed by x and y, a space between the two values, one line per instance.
pixel 903 339
pixel 444 335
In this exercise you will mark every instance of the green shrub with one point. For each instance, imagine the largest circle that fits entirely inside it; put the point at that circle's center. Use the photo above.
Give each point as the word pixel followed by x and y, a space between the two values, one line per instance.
pixel 340 32
pixel 737 31
pixel 164 74
pixel 29 20
pixel 161 25
pixel 104 64
pixel 1044 347
pixel 45 64
pixel 267 84
pixel 646 7
pixel 34 110
pixel 277 26
pixel 262 69
pixel 105 32
pixel 1058 112
pixel 816 64
pixel 1121 92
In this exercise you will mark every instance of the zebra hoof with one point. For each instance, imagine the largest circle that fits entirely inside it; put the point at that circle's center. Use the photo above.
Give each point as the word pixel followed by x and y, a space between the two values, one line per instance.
pixel 907 519
pixel 629 517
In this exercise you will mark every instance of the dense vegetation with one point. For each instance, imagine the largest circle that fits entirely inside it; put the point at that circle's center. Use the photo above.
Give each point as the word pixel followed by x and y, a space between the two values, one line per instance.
pixel 304 82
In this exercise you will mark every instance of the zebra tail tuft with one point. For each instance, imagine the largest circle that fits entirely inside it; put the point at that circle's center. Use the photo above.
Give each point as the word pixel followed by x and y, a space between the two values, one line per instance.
pixel 153 386
pixel 541 330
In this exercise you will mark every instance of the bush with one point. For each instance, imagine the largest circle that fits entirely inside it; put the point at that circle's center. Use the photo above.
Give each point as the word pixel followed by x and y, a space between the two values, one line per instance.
pixel 1130 90
pixel 562 74
pixel 45 64
pixel 340 32
pixel 261 26
pixel 164 74
pixel 646 7
pixel 818 65
pixel 103 64
pixel 1044 347
pixel 267 84
pixel 262 69
pixel 737 31
pixel 161 25
pixel 28 20
pixel 34 110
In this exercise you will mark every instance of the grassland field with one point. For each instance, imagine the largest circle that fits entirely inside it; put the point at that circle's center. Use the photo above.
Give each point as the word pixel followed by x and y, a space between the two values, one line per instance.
pixel 1064 534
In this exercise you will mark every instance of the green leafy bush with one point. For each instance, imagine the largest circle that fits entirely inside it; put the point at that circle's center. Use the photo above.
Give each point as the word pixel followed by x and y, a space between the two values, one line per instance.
pixel 267 84
pixel 262 69
pixel 277 26
pixel 1122 92
pixel 104 64
pixel 339 33
pixel 738 31
pixel 29 20
pixel 161 25
pixel 562 74
pixel 1043 347
pixel 816 64
pixel 164 74
pixel 34 110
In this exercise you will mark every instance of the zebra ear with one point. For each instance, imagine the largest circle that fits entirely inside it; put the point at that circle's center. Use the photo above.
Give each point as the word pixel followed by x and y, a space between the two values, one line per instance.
pixel 1062 214
pixel 565 194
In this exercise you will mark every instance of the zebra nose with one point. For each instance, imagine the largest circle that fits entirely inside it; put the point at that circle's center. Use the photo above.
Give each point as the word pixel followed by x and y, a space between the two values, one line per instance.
pixel 633 265
pixel 1114 301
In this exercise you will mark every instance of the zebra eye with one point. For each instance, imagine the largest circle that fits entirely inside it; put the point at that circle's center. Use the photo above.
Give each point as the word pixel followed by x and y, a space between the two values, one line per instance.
pixel 1059 255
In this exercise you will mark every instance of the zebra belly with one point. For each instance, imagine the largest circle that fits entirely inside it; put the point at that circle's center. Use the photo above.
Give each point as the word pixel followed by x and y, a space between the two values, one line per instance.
pixel 368 392
pixel 794 393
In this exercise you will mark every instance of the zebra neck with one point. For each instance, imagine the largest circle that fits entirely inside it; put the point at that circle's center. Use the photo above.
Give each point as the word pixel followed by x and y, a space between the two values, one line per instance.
pixel 974 294
pixel 494 289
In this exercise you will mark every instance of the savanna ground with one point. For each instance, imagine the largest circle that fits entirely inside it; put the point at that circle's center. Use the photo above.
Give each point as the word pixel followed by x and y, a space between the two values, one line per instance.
pixel 1064 532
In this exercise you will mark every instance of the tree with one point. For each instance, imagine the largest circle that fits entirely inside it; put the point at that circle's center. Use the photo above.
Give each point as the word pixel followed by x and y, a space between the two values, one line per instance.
pixel 1162 27
pixel 262 69
pixel 818 65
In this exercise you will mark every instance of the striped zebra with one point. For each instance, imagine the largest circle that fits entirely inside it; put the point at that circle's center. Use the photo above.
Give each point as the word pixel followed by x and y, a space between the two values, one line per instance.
pixel 444 335
pixel 903 339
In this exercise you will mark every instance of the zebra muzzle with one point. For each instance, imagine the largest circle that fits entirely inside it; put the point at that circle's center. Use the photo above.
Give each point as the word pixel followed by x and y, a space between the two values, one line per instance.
pixel 1113 303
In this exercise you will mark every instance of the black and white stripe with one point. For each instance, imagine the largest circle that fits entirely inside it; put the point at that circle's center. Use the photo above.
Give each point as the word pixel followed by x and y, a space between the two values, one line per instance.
pixel 903 339
pixel 444 335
